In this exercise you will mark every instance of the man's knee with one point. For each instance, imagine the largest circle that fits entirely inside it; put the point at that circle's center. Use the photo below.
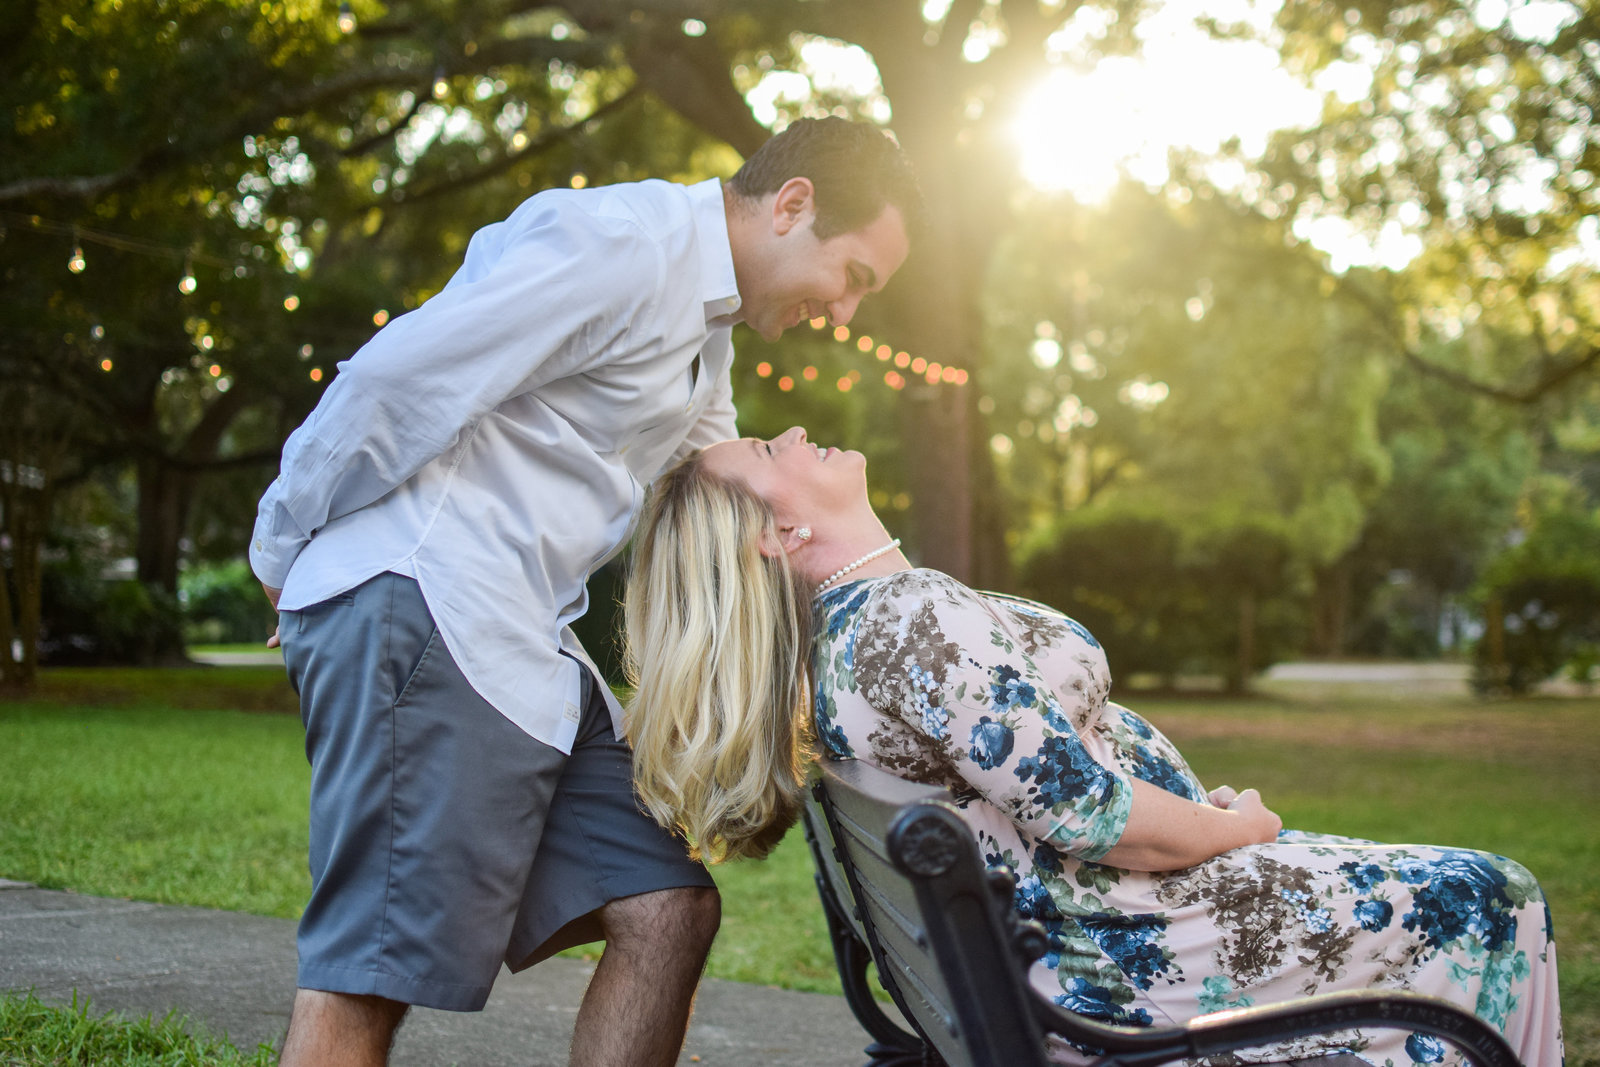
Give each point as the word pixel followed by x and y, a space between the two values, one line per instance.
pixel 685 918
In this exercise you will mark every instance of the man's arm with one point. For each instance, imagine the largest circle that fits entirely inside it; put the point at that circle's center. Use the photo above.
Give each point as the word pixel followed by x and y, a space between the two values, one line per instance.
pixel 517 314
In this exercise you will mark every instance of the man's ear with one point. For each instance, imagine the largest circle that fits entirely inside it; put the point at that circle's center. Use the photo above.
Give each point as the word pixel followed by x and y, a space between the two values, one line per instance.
pixel 786 541
pixel 794 203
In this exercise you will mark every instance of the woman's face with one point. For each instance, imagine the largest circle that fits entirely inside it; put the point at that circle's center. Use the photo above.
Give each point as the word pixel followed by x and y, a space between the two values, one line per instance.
pixel 799 481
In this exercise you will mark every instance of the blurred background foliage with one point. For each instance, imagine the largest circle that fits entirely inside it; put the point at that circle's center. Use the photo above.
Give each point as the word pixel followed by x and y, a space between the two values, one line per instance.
pixel 1177 405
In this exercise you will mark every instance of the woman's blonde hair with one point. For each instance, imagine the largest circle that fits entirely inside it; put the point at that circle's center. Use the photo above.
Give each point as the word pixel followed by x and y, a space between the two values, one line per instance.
pixel 717 638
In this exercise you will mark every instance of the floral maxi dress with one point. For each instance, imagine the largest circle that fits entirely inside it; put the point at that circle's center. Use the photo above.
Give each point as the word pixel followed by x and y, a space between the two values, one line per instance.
pixel 1005 702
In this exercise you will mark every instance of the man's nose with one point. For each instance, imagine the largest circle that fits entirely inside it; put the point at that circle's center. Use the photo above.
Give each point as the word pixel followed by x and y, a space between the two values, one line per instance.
pixel 841 311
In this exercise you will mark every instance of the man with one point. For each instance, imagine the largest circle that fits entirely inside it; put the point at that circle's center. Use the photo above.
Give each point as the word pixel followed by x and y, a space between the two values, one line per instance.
pixel 427 543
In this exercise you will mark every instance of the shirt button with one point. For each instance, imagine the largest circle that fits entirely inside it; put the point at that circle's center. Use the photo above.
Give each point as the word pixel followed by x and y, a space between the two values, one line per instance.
pixel 259 546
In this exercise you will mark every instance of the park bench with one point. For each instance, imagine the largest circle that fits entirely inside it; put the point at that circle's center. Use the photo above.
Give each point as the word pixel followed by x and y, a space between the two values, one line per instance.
pixel 905 889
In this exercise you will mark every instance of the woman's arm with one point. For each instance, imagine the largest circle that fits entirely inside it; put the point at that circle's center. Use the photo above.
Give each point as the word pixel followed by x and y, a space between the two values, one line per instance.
pixel 1167 832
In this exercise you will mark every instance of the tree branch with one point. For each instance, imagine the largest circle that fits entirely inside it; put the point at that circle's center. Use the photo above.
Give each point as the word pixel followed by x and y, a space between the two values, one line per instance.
pixel 546 139
pixel 1547 383
pixel 1554 376
pixel 402 73
pixel 367 144
pixel 90 186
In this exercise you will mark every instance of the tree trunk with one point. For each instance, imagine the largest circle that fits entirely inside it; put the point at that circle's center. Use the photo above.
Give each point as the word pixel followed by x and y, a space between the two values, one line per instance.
pixel 165 494
pixel 1244 664
pixel 1330 609
pixel 27 515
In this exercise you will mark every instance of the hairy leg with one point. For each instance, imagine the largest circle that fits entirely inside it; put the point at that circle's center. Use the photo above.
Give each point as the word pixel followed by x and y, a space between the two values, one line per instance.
pixel 636 1010
pixel 340 1030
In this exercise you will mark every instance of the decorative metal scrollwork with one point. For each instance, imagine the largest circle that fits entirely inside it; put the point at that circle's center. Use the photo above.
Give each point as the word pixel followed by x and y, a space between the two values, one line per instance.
pixel 926 845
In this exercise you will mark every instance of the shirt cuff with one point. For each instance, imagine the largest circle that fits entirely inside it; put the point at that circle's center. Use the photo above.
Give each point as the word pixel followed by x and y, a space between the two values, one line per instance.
pixel 271 560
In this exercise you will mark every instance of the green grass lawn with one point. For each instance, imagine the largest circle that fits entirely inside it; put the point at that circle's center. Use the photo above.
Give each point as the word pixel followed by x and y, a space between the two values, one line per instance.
pixel 189 786
pixel 33 1034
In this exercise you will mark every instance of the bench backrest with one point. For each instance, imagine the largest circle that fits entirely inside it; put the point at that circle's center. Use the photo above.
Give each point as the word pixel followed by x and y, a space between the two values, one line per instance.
pixel 914 886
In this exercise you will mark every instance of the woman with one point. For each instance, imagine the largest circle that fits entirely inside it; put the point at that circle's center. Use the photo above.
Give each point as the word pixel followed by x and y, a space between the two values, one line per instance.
pixel 1162 901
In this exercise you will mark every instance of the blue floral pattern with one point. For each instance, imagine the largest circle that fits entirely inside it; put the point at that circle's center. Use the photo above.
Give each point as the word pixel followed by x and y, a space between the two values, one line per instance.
pixel 1006 702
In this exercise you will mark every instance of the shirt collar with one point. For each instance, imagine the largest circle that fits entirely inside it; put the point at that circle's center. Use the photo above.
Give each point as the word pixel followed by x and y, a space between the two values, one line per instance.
pixel 719 287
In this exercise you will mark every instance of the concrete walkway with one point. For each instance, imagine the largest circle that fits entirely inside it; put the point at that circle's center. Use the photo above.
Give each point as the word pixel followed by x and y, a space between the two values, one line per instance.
pixel 233 975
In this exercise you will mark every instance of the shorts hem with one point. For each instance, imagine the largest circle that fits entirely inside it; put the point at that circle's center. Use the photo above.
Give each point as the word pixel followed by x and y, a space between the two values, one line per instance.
pixel 628 884
pixel 418 992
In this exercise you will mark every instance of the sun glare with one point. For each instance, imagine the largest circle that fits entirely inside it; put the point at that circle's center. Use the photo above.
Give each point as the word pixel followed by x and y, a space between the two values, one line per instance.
pixel 1076 132
pixel 1080 129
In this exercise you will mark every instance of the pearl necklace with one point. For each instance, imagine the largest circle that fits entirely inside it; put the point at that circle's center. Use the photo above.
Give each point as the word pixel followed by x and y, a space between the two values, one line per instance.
pixel 863 561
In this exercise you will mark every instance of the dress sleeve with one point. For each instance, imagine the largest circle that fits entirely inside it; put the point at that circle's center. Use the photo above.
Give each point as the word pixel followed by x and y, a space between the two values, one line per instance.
pixel 522 310
pixel 932 654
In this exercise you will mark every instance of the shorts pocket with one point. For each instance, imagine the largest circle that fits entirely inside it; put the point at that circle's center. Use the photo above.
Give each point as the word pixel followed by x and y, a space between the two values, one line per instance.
pixel 429 652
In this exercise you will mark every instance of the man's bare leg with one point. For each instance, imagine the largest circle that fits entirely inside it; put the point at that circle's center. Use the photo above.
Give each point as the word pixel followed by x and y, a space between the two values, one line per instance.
pixel 340 1030
pixel 636 1011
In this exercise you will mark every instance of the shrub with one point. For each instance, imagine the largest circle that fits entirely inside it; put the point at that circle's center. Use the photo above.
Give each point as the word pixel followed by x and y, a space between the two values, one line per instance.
pixel 92 620
pixel 223 602
pixel 1164 600
pixel 1541 603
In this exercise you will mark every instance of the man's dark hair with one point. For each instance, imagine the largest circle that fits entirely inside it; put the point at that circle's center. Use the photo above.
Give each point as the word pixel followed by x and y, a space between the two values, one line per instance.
pixel 855 168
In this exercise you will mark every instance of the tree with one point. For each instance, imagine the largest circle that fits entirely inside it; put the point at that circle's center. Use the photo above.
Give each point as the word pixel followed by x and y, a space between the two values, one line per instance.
pixel 1461 461
pixel 1172 355
pixel 37 439
pixel 1471 129
pixel 218 209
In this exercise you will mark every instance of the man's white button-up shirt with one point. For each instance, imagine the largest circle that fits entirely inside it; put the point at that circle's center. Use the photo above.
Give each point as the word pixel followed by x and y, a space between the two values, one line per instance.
pixel 494 443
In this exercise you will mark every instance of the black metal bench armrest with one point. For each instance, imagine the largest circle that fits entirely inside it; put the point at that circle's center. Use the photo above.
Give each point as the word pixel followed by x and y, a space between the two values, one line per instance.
pixel 1240 1028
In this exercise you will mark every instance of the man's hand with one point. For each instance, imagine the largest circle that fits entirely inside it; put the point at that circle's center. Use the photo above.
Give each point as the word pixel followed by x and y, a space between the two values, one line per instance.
pixel 272 595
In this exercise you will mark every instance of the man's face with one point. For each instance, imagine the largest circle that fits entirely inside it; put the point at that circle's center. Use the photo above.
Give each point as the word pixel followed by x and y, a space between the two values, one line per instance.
pixel 792 277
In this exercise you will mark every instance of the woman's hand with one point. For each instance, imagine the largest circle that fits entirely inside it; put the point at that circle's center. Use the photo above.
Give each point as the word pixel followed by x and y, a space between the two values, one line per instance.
pixel 1167 832
pixel 1223 795
pixel 1258 816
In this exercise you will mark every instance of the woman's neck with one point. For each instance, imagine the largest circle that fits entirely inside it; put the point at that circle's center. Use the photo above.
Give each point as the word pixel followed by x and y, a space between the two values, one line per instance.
pixel 866 550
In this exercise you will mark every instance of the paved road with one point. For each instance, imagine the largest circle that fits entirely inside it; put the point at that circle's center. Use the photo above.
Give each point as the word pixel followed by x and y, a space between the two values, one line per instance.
pixel 234 974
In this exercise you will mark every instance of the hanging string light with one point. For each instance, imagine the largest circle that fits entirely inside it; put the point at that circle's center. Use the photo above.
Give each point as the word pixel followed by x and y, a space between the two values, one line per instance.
pixel 347 18
pixel 930 372
pixel 187 282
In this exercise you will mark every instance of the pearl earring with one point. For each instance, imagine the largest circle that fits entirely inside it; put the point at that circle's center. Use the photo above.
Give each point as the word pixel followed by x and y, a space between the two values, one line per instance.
pixel 804 533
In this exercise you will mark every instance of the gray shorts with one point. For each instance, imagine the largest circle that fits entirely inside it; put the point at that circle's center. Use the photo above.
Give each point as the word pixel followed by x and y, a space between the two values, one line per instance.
pixel 444 839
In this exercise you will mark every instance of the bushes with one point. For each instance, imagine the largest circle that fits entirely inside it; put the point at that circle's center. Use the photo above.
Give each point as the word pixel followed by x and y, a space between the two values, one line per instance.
pixel 93 619
pixel 88 619
pixel 223 604
pixel 1541 604
pixel 1166 600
